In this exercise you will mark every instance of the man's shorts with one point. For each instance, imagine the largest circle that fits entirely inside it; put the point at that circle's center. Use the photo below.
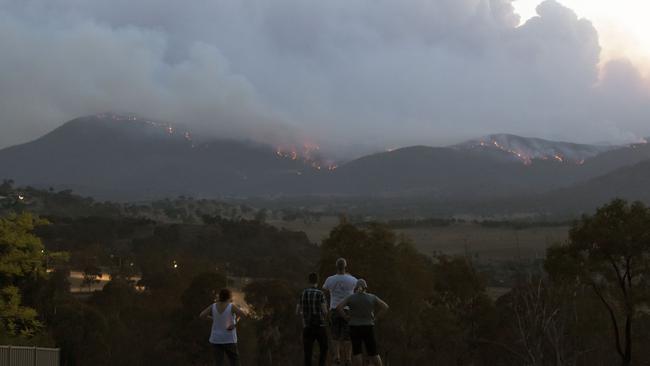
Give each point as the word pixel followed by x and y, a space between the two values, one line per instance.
pixel 339 327
pixel 363 336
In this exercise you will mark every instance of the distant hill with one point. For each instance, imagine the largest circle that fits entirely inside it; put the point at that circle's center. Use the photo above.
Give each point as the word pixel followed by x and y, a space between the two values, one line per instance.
pixel 110 156
pixel 126 157
pixel 630 182
pixel 446 173
pixel 527 149
pixel 617 158
pixel 490 167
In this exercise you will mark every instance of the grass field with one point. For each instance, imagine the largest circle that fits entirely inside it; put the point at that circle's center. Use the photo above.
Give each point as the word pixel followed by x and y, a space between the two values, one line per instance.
pixel 482 242
pixel 487 243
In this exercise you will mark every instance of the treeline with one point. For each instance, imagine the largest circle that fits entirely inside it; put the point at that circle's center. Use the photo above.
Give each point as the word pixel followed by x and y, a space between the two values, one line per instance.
pixel 445 222
pixel 524 224
pixel 65 203
pixel 586 304
pixel 180 265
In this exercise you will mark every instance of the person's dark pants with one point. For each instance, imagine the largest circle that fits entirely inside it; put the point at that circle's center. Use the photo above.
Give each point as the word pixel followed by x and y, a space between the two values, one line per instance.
pixel 311 334
pixel 221 351
pixel 363 336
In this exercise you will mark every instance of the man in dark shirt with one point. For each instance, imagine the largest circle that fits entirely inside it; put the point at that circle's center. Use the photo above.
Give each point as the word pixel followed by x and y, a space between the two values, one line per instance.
pixel 313 308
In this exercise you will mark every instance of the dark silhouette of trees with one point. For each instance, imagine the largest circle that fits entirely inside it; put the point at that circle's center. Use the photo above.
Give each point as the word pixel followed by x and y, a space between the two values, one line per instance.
pixel 609 252
pixel 585 304
pixel 461 314
pixel 276 326
pixel 82 332
pixel 539 323
pixel 91 275
pixel 439 307
pixel 189 333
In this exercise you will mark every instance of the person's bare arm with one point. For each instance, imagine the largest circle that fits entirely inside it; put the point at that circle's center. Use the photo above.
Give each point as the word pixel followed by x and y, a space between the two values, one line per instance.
pixel 323 308
pixel 206 313
pixel 382 307
pixel 239 312
pixel 342 306
pixel 327 295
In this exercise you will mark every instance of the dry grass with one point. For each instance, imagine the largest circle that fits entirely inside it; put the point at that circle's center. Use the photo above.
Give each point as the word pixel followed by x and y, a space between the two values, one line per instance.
pixel 487 243
pixel 316 231
pixel 484 242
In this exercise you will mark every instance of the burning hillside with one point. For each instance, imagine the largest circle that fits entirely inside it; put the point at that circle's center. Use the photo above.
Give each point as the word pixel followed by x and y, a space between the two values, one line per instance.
pixel 165 127
pixel 527 150
pixel 308 153
pixel 130 157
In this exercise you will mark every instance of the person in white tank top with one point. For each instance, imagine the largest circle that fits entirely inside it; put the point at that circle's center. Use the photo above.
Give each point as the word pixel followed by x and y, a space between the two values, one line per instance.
pixel 223 335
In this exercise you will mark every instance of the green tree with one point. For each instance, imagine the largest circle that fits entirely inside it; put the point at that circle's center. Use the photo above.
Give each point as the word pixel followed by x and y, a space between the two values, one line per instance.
pixel 17 320
pixel 189 332
pixel 6 187
pixel 82 333
pixel 21 252
pixel 397 273
pixel 21 260
pixel 273 303
pixel 49 293
pixel 609 252
pixel 460 315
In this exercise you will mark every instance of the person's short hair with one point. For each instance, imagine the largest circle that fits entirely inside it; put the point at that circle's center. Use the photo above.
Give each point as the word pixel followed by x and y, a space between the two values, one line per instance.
pixel 341 264
pixel 225 295
pixel 361 285
pixel 313 277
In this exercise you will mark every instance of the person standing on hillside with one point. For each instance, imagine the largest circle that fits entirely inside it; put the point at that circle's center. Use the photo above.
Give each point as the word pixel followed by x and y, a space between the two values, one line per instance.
pixel 363 307
pixel 340 286
pixel 313 308
pixel 223 336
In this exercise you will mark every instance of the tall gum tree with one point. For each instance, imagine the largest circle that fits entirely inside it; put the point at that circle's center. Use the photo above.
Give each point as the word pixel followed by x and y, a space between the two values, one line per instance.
pixel 609 252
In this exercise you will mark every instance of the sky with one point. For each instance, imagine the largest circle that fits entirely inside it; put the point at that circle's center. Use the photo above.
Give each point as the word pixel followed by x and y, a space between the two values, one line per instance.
pixel 622 25
pixel 350 75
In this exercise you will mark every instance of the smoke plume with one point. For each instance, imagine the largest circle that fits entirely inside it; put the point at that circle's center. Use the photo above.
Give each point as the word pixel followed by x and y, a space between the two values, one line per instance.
pixel 352 75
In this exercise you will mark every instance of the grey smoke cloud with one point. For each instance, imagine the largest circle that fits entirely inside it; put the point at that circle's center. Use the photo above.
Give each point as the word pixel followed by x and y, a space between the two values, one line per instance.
pixel 351 74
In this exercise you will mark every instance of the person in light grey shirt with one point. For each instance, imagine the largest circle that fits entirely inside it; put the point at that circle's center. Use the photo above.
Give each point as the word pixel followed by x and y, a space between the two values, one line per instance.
pixel 363 307
pixel 338 287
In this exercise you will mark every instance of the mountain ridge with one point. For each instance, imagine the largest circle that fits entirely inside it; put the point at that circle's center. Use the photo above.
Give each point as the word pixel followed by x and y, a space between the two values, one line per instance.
pixel 129 157
pixel 528 149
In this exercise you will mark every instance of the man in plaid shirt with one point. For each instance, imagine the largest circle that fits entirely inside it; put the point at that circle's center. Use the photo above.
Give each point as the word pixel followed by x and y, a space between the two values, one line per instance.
pixel 313 308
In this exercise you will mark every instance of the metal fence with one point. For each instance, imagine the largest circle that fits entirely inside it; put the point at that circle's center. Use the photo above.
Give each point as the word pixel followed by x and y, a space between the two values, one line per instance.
pixel 28 356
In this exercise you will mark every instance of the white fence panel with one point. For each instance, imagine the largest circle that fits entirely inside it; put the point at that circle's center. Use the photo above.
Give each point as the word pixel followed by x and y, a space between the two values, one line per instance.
pixel 28 356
